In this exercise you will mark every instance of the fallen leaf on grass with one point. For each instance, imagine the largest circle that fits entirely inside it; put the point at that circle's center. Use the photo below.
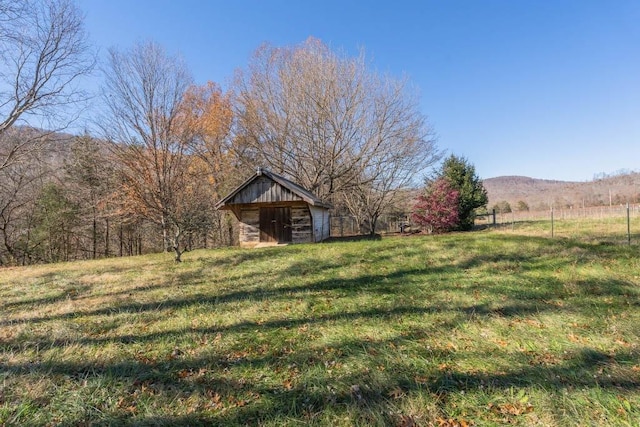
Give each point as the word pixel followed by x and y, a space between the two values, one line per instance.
pixel 501 343
pixel 535 323
pixel 214 396
pixel 510 409
pixel 127 405
pixel 452 422
pixel 574 338
pixel 421 380
pixel 396 393
pixel 406 421
pixel 144 359
pixel 184 373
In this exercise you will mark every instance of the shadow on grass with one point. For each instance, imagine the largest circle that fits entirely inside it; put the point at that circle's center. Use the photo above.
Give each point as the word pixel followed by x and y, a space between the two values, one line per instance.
pixel 356 238
pixel 508 310
pixel 402 282
pixel 237 385
pixel 369 397
pixel 522 295
pixel 65 295
pixel 586 368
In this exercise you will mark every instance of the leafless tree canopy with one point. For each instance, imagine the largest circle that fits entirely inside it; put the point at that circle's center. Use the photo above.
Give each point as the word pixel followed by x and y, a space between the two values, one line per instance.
pixel 43 52
pixel 143 93
pixel 329 123
pixel 143 90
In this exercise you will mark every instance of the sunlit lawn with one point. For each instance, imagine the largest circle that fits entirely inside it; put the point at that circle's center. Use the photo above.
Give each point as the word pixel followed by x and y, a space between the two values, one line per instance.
pixel 483 328
pixel 618 230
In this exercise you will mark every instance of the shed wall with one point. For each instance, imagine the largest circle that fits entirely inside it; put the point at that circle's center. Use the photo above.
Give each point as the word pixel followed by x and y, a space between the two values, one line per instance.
pixel 302 232
pixel 249 226
pixel 302 227
pixel 321 226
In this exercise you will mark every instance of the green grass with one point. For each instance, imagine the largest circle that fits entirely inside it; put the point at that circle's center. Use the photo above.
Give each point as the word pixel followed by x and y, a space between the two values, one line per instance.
pixel 606 230
pixel 482 328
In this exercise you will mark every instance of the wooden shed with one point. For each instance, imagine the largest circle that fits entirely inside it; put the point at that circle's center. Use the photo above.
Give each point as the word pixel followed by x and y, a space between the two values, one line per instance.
pixel 273 209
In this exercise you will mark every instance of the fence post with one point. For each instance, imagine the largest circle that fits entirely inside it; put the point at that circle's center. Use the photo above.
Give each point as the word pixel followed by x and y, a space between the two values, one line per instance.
pixel 628 226
pixel 552 221
pixel 494 216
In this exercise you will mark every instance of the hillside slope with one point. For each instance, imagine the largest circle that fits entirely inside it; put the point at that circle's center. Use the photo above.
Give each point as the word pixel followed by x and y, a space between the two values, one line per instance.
pixel 460 329
pixel 541 193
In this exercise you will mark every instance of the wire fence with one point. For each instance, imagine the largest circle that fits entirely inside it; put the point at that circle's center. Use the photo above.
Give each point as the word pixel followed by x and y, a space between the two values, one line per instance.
pixel 345 226
pixel 618 224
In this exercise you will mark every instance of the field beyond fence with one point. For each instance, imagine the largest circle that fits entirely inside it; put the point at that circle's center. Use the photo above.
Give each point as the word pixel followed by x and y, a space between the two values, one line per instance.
pixel 605 224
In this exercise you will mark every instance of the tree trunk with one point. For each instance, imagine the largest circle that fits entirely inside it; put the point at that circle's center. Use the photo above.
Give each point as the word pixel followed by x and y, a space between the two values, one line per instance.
pixel 372 225
pixel 121 240
pixel 176 245
pixel 106 238
pixel 95 236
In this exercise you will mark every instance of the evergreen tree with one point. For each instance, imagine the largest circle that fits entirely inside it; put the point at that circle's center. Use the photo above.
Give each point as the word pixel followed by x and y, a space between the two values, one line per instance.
pixel 55 219
pixel 461 175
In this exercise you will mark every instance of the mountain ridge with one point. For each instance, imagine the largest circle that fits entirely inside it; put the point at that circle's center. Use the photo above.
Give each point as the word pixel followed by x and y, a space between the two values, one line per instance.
pixel 542 193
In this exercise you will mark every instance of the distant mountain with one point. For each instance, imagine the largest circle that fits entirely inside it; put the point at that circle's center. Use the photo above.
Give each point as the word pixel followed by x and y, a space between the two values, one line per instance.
pixel 541 193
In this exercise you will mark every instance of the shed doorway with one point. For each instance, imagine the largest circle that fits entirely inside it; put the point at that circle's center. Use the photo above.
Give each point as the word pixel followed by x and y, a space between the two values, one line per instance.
pixel 275 224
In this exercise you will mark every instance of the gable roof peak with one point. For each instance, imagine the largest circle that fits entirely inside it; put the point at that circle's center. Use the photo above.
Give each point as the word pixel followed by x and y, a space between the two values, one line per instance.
pixel 295 188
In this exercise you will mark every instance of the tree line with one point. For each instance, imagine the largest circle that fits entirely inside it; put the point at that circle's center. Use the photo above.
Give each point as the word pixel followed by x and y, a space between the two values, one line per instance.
pixel 164 149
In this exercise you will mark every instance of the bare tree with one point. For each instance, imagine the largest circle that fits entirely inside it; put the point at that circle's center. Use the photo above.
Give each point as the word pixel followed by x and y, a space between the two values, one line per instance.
pixel 43 53
pixel 386 183
pixel 19 185
pixel 404 147
pixel 329 123
pixel 153 141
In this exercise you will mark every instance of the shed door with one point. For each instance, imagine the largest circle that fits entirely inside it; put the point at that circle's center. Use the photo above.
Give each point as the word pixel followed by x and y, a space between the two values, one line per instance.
pixel 275 225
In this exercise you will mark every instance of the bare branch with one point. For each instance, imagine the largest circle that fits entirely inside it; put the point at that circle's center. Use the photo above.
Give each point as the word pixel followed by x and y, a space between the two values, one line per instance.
pixel 43 54
pixel 143 93
pixel 332 125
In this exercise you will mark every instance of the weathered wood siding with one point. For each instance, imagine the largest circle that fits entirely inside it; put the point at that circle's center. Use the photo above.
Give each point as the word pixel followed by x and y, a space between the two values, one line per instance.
pixel 301 225
pixel 264 190
pixel 249 226
pixel 302 228
pixel 320 220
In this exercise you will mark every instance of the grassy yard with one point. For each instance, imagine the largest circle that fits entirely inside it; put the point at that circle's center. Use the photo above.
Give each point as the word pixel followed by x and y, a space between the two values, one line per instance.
pixel 485 328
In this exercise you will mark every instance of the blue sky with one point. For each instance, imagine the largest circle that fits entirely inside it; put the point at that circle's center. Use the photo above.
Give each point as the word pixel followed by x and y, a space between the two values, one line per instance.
pixel 546 89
